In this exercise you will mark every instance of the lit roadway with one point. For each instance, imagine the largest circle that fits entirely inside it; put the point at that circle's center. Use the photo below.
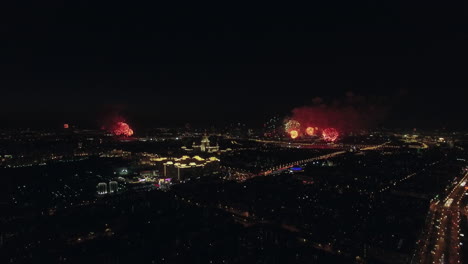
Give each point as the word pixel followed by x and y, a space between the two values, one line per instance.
pixel 441 240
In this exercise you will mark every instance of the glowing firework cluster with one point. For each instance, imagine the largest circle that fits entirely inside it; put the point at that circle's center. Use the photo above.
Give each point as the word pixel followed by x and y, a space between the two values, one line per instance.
pixel 293 128
pixel 310 131
pixel 330 134
pixel 122 129
pixel 294 134
pixel 292 125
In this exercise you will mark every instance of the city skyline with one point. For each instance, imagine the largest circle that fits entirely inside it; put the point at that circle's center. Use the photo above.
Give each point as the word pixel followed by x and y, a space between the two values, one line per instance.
pixel 170 132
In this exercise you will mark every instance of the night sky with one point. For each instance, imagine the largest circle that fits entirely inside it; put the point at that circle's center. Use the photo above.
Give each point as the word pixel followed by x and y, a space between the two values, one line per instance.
pixel 160 65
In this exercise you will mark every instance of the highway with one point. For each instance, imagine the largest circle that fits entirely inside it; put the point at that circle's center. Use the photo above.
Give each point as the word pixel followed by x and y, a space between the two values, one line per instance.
pixel 441 240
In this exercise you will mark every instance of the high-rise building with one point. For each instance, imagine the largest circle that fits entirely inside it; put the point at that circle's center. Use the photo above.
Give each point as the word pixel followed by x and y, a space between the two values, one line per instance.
pixel 113 186
pixel 102 188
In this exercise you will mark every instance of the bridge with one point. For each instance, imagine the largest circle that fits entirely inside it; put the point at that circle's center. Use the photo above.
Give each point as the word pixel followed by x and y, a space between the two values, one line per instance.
pixel 285 166
pixel 307 145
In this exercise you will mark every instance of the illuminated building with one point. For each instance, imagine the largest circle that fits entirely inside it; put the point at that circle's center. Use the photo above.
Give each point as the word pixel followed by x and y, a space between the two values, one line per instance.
pixel 205 146
pixel 116 153
pixel 164 184
pixel 102 188
pixel 180 169
pixel 113 187
pixel 149 173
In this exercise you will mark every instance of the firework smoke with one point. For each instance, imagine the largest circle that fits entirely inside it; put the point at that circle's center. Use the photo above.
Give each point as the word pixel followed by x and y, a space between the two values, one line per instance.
pixel 352 113
pixel 122 129
pixel 330 134
pixel 117 126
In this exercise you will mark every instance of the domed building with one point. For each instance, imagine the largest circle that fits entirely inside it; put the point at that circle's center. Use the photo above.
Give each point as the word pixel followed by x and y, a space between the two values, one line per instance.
pixel 205 146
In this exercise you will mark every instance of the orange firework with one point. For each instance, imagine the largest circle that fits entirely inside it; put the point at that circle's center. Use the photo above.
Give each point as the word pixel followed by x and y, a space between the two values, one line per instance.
pixel 310 131
pixel 294 134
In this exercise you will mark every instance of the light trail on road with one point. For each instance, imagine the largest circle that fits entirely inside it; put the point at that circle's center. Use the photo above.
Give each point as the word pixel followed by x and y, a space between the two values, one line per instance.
pixel 441 243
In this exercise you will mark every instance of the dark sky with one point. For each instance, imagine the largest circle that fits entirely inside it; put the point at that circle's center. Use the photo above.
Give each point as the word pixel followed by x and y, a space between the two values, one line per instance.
pixel 72 61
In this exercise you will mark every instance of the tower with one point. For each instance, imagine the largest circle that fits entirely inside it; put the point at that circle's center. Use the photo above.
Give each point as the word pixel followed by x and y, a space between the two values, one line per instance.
pixel 205 143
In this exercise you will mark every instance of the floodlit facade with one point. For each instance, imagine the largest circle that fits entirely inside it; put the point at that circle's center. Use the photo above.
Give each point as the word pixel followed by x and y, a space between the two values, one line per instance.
pixel 205 146
pixel 180 169
pixel 113 187
pixel 102 188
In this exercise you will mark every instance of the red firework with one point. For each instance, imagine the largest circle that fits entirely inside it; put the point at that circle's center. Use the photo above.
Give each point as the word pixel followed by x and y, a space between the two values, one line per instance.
pixel 122 129
pixel 330 134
